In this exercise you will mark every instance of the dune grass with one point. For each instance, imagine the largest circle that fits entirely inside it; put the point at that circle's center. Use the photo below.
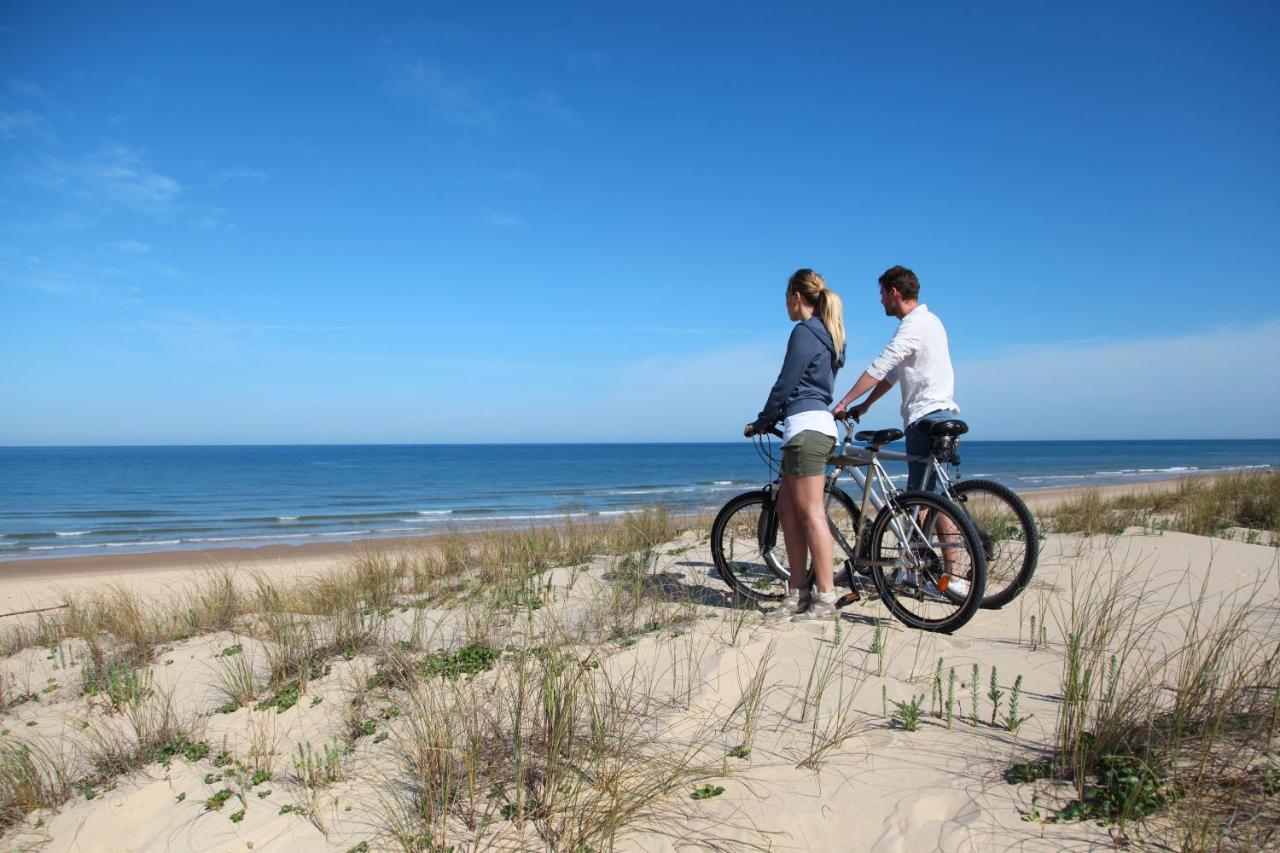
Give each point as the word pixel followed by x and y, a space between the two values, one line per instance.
pixel 300 627
pixel 1172 738
pixel 1205 506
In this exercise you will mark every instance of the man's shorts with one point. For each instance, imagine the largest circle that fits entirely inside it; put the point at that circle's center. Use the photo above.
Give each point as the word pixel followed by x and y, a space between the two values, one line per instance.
pixel 805 455
pixel 920 443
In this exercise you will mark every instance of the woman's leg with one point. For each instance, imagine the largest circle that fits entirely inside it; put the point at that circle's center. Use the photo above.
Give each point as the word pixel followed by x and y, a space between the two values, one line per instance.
pixel 807 499
pixel 793 531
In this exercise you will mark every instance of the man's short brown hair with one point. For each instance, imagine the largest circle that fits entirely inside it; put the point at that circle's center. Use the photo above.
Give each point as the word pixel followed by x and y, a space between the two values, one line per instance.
pixel 902 280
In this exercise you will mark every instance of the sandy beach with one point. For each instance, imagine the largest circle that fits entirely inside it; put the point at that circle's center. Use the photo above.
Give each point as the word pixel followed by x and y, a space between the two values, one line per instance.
pixel 39 583
pixel 727 728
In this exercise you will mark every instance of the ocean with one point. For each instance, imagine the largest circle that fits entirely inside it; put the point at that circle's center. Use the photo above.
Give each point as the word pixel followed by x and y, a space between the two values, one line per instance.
pixel 83 501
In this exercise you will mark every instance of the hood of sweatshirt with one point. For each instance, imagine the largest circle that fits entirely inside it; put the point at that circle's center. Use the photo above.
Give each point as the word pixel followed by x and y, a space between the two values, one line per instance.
pixel 814 324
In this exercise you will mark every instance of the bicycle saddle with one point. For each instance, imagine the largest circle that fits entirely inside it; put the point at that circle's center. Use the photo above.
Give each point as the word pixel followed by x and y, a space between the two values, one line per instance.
pixel 950 428
pixel 878 437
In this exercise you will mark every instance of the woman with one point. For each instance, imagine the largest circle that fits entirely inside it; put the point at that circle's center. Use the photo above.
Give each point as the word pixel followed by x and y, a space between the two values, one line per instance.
pixel 800 399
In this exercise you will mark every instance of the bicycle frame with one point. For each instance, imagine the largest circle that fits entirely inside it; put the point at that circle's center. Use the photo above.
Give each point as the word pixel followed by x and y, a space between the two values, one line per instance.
pixel 874 495
pixel 938 473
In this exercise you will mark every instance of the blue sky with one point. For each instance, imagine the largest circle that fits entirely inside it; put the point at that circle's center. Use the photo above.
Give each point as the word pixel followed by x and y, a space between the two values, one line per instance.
pixel 226 223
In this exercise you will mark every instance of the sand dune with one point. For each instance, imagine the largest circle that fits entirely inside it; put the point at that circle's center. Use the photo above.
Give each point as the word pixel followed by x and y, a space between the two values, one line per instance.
pixel 819 764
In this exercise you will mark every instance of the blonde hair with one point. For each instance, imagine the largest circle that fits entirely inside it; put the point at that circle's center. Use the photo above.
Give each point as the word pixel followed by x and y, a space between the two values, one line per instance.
pixel 813 289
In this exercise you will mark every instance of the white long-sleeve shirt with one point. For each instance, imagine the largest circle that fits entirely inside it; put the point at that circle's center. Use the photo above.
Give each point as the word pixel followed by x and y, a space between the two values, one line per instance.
pixel 918 359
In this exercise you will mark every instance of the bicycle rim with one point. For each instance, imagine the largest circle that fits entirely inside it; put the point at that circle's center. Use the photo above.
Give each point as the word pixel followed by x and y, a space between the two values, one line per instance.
pixel 748 548
pixel 931 549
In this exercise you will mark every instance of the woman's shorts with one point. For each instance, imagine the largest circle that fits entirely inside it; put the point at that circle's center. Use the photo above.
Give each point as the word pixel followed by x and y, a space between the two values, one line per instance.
pixel 805 455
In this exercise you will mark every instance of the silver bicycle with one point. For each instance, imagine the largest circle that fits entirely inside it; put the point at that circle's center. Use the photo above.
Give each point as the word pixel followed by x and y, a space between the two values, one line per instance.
pixel 920 551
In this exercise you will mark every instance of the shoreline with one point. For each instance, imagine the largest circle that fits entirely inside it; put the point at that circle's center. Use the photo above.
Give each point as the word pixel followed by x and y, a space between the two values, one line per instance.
pixel 146 562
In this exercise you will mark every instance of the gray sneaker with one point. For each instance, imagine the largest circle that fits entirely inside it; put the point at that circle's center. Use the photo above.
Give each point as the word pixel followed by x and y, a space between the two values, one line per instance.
pixel 819 609
pixel 906 579
pixel 794 603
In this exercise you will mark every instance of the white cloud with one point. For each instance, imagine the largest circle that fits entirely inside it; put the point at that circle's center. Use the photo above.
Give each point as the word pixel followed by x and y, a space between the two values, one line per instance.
pixel 551 104
pixel 226 175
pixel 27 89
pixel 120 175
pixel 131 247
pixel 705 396
pixel 115 176
pixel 62 277
pixel 1214 384
pixel 452 98
pixel 213 219
pixel 23 123
pixel 504 220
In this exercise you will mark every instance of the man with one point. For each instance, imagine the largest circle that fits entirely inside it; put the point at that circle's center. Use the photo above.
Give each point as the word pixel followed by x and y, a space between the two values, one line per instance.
pixel 918 359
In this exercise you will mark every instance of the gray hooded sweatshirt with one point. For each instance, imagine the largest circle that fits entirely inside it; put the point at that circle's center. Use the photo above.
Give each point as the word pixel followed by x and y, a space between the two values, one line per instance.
pixel 808 374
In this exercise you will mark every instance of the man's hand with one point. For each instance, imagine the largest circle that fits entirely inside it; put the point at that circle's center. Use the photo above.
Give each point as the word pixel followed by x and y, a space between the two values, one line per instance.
pixel 858 411
pixel 749 430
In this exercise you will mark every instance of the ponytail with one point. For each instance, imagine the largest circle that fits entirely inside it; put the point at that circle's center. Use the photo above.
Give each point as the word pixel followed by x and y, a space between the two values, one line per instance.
pixel 831 310
pixel 826 303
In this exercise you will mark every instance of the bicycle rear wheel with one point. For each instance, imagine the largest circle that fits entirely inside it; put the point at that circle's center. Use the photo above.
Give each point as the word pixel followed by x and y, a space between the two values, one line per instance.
pixel 930 570
pixel 1010 539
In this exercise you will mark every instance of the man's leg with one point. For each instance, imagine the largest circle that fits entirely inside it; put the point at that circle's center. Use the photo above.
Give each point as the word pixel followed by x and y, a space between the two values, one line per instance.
pixel 920 476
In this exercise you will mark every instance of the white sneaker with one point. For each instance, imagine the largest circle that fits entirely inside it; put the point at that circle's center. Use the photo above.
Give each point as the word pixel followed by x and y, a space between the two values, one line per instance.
pixel 823 606
pixel 958 586
pixel 795 602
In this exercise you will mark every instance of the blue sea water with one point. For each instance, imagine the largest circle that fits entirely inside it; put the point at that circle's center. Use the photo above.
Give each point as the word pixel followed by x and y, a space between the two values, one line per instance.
pixel 65 501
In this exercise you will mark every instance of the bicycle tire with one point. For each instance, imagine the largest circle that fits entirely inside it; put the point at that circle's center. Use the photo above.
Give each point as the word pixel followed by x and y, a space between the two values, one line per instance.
pixel 1010 538
pixel 925 604
pixel 746 529
pixel 744 533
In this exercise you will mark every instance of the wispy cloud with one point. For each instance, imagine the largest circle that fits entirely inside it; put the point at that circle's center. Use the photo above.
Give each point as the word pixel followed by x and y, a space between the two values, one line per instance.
pixel 24 123
pixel 504 220
pixel 115 176
pixel 452 98
pixel 213 219
pixel 27 89
pixel 131 247
pixel 550 103
pixel 62 277
pixel 226 175
pixel 587 60
pixel 1210 384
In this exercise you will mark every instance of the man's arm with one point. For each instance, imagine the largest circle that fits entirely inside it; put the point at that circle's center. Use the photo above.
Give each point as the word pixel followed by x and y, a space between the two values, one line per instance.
pixel 904 342
pixel 864 384
pixel 865 381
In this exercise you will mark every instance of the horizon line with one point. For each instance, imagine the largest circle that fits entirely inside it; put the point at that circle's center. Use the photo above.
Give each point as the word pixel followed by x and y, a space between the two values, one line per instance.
pixel 88 446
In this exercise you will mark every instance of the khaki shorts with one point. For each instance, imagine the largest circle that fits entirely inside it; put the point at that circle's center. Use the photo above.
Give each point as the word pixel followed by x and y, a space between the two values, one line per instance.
pixel 805 455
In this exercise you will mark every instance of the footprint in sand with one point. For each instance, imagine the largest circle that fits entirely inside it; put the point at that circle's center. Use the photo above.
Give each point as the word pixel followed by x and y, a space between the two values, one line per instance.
pixel 923 821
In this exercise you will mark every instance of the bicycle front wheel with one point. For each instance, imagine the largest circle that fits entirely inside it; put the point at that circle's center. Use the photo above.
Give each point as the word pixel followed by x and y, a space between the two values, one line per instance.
pixel 928 564
pixel 748 548
pixel 1010 539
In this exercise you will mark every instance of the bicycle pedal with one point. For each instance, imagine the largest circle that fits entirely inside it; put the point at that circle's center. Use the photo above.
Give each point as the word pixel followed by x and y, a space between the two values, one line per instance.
pixel 847 599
